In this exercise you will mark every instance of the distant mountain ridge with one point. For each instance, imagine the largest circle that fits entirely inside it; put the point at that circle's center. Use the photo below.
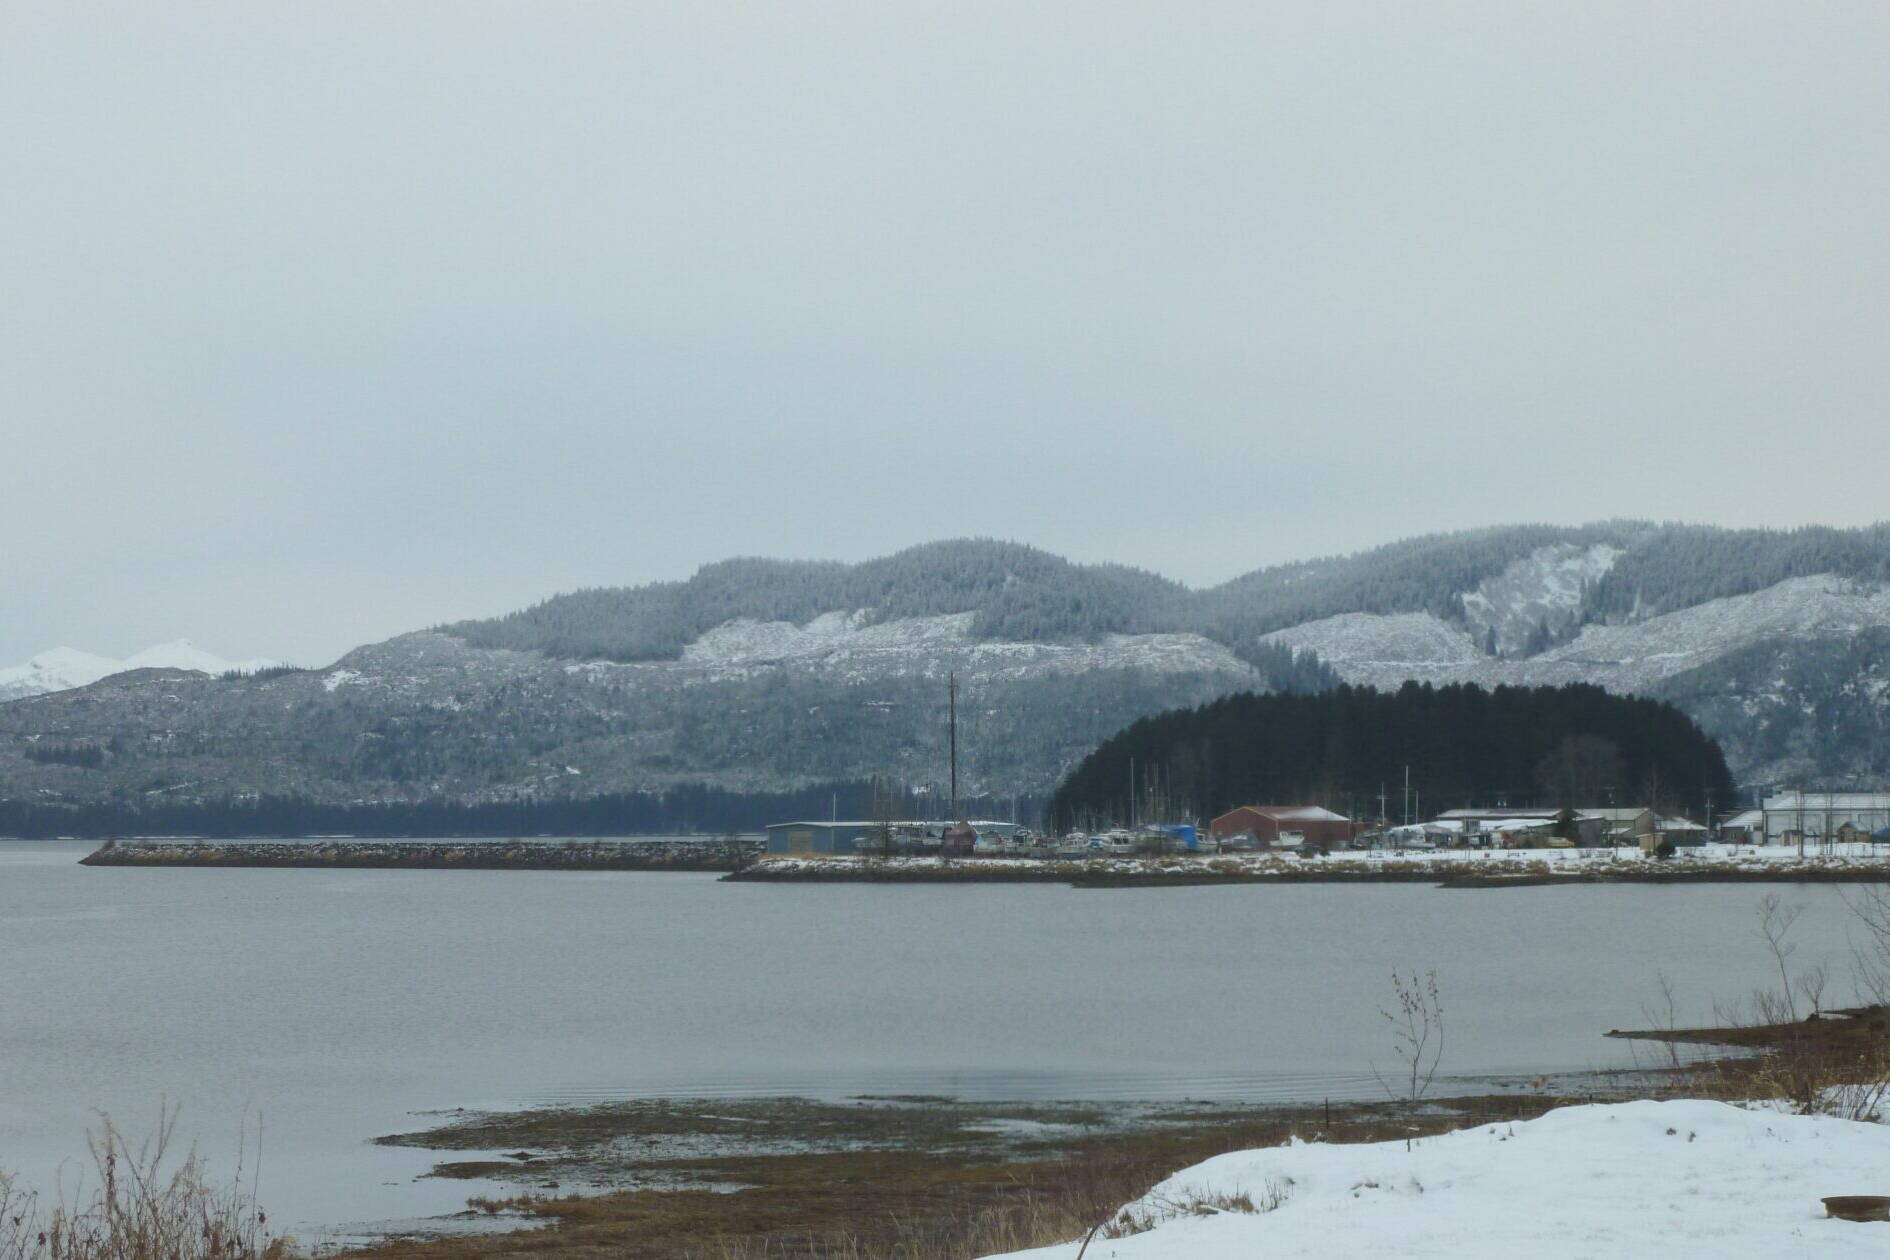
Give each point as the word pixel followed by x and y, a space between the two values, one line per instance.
pixel 1012 591
pixel 762 675
pixel 1621 570
pixel 61 668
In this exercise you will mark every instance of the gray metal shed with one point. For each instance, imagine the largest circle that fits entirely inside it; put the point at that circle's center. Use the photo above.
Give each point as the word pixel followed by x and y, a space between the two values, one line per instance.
pixel 838 838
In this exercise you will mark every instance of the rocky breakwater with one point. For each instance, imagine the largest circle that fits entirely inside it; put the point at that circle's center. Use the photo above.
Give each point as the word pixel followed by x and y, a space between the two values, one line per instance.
pixel 1458 868
pixel 729 854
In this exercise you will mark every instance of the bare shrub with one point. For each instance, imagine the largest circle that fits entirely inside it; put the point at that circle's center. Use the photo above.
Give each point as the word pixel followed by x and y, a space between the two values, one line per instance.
pixel 141 1207
pixel 1870 910
pixel 1775 926
pixel 1804 1058
pixel 1417 1027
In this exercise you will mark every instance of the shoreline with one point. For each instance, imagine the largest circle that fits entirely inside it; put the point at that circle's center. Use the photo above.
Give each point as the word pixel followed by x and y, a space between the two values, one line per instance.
pixel 658 1178
pixel 744 861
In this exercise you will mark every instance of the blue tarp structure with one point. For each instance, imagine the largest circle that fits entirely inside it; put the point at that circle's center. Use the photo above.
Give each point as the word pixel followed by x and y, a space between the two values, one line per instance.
pixel 1183 832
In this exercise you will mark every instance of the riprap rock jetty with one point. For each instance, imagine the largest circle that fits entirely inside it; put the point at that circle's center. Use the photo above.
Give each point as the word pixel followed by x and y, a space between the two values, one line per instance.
pixel 725 854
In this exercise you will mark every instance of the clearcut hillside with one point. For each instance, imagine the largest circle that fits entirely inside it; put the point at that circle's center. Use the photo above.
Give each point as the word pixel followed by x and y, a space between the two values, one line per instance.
pixel 764 675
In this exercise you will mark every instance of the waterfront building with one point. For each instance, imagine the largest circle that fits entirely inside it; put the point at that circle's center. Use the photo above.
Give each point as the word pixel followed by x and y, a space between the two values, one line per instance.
pixel 1488 826
pixel 1269 826
pixel 822 838
pixel 1820 817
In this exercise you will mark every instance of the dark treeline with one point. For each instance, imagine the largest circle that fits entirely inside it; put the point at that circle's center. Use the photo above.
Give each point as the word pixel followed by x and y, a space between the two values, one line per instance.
pixel 1546 746
pixel 262 674
pixel 676 811
pixel 85 756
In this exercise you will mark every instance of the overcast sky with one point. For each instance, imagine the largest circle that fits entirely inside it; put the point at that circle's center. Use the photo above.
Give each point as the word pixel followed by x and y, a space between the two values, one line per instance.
pixel 323 322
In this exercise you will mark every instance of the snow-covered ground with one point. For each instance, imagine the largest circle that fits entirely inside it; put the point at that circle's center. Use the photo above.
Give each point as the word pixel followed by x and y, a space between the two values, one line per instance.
pixel 1740 855
pixel 1575 863
pixel 1547 585
pixel 62 668
pixel 1383 650
pixel 1677 1180
pixel 852 644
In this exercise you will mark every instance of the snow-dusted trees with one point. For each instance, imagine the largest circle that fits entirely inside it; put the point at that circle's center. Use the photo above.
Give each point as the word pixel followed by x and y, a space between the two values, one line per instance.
pixel 1016 592
pixel 1679 566
pixel 1021 593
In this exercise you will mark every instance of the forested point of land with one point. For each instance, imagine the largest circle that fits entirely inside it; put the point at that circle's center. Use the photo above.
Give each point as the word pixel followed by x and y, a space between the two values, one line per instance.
pixel 1576 746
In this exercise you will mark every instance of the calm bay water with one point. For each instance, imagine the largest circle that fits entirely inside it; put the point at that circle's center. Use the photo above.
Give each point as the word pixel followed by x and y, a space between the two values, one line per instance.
pixel 336 1005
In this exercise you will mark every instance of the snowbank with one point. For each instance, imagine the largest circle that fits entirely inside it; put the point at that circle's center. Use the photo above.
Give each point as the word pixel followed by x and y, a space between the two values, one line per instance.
pixel 1674 1179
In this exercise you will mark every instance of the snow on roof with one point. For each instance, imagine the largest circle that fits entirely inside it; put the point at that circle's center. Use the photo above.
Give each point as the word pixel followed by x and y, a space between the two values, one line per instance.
pixel 1794 801
pixel 1618 813
pixel 1745 818
pixel 982 824
pixel 1499 813
pixel 1298 813
pixel 1459 826
pixel 1685 1179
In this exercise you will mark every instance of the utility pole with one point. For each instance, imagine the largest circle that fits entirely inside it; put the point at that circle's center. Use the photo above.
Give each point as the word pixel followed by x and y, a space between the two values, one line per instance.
pixel 1131 794
pixel 952 691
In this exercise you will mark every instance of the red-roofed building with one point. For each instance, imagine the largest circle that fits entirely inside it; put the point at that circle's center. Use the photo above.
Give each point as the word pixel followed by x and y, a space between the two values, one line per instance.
pixel 1273 826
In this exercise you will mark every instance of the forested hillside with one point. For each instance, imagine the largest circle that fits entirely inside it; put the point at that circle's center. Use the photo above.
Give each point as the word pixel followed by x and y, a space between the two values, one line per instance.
pixel 1022 594
pixel 1427 574
pixel 1017 592
pixel 1821 702
pixel 1678 566
pixel 1462 746
pixel 763 676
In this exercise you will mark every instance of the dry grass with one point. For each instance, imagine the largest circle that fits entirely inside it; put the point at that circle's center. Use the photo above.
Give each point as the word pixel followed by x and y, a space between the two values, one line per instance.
pixel 913 1205
pixel 142 1206
pixel 1836 1065
pixel 1808 1057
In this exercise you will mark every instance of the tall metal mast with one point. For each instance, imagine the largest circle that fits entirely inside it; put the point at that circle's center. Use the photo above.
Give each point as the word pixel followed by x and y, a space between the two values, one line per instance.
pixel 952 686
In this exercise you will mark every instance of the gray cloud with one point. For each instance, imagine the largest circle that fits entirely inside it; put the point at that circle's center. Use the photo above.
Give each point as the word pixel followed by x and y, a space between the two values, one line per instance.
pixel 319 324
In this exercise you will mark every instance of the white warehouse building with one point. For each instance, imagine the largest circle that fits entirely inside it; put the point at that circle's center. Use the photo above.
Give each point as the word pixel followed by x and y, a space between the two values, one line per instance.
pixel 1818 816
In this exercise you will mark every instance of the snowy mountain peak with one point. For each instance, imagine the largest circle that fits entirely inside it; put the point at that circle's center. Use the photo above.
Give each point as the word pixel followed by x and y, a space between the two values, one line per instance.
pixel 183 654
pixel 61 662
pixel 62 668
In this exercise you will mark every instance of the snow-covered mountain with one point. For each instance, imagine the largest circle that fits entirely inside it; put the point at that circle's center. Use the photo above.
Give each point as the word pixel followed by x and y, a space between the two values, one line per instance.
pixel 1384 650
pixel 770 675
pixel 61 668
pixel 1524 607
